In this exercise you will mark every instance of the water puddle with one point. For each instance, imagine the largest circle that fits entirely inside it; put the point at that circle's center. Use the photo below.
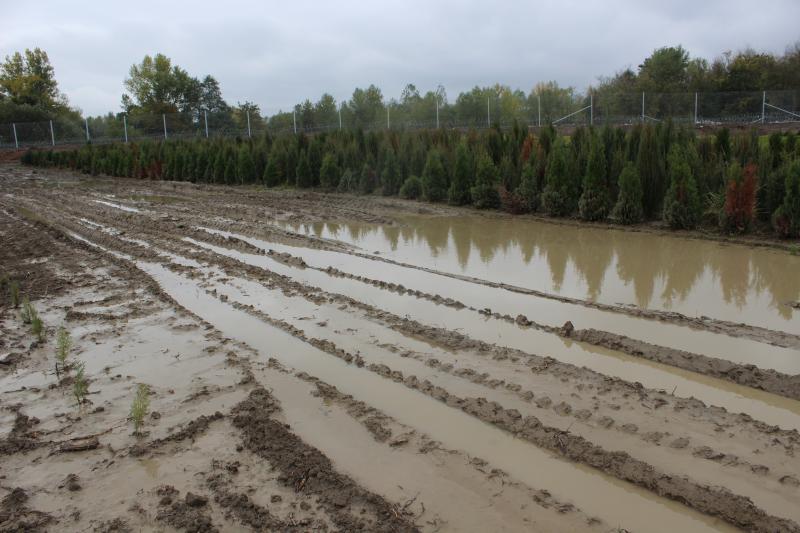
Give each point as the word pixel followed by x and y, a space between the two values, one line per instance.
pixel 761 405
pixel 693 277
pixel 118 206
pixel 549 312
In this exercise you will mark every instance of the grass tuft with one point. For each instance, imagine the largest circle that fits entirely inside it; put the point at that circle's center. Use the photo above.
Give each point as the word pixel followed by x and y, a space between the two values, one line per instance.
pixel 80 387
pixel 63 346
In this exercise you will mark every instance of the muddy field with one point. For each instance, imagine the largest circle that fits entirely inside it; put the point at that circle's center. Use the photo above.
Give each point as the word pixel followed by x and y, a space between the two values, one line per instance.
pixel 337 363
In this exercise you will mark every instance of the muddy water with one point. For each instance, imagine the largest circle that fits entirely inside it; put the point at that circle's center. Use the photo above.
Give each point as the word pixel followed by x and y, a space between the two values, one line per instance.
pixel 759 404
pixel 616 502
pixel 550 312
pixel 693 277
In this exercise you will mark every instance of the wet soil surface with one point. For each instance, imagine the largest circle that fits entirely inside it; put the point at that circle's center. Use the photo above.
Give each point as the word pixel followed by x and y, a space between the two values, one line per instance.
pixel 297 383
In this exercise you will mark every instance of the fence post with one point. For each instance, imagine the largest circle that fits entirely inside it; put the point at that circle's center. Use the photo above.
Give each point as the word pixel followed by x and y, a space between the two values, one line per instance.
pixel 52 134
pixel 642 107
pixel 539 107
pixel 248 123
pixel 125 126
pixel 86 123
pixel 164 119
pixel 437 112
pixel 763 106
pixel 294 119
pixel 205 120
pixel 695 109
pixel 16 141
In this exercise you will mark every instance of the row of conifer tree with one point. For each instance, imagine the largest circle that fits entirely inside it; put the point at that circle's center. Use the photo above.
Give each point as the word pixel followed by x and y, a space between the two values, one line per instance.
pixel 644 173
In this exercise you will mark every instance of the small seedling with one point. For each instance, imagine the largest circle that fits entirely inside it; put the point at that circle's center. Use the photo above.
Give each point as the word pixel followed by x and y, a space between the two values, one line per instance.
pixel 37 328
pixel 13 293
pixel 80 387
pixel 139 407
pixel 28 312
pixel 63 346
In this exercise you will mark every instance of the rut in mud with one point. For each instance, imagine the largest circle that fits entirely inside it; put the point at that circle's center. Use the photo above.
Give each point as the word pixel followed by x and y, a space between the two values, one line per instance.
pixel 416 382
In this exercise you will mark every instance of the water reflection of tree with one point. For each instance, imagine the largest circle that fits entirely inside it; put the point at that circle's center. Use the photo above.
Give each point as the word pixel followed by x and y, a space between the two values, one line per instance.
pixel 731 266
pixel 682 263
pixel 392 236
pixel 770 274
pixel 637 264
pixel 333 229
pixel 591 254
pixel 434 232
pixel 462 239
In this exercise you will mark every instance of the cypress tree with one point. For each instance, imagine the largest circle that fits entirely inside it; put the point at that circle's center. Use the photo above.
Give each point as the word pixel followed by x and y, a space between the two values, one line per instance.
pixel 484 192
pixel 303 177
pixel 272 174
pixel 391 177
pixel 412 188
pixel 628 209
pixel 329 172
pixel 786 219
pixel 529 187
pixel 560 196
pixel 651 171
pixel 229 175
pixel 245 166
pixel 219 167
pixel 434 177
pixel 682 202
pixel 593 204
pixel 459 193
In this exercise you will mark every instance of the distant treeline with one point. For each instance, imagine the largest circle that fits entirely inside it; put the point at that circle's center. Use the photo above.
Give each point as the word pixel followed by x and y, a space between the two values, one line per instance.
pixel 645 173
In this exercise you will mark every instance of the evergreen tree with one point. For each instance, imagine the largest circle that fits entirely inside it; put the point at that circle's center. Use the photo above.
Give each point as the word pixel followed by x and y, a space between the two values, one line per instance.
pixel 230 170
pixel 367 179
pixel 593 204
pixel 682 202
pixel 348 182
pixel 329 172
pixel 434 177
pixel 628 209
pixel 219 167
pixel 391 178
pixel 245 167
pixel 484 192
pixel 560 196
pixel 459 193
pixel 651 171
pixel 272 174
pixel 786 219
pixel 303 177
pixel 528 190
pixel 411 189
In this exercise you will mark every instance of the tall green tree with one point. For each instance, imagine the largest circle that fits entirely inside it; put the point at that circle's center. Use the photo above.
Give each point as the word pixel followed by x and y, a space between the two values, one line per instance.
pixel 650 167
pixel 682 202
pixel 560 196
pixel 434 177
pixel 484 192
pixel 628 209
pixel 303 177
pixel 593 204
pixel 459 192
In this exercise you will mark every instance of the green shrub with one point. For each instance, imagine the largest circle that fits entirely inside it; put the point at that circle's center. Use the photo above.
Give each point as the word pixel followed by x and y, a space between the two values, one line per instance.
pixel 13 293
pixel 650 166
pixel 37 328
pixel 28 312
pixel 528 190
pixel 628 209
pixel 303 177
pixel 412 188
pixel 63 347
pixel 348 182
pixel 391 176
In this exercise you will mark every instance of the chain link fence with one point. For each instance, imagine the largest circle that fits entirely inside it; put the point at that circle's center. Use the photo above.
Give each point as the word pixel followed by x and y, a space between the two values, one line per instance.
pixel 700 109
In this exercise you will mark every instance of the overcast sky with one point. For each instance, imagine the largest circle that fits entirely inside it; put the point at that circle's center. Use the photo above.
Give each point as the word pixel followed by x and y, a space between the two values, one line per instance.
pixel 279 53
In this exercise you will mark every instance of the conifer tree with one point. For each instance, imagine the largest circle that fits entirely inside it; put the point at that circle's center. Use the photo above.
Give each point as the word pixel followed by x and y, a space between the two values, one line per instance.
pixel 484 192
pixel 650 167
pixel 246 167
pixel 303 177
pixel 459 193
pixel 786 219
pixel 560 196
pixel 230 170
pixel 528 187
pixel 391 177
pixel 366 180
pixel 593 204
pixel 434 177
pixel 272 174
pixel 329 172
pixel 682 202
pixel 628 209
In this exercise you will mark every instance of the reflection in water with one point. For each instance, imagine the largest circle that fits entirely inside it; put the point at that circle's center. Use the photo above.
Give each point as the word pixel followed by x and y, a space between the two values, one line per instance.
pixel 612 266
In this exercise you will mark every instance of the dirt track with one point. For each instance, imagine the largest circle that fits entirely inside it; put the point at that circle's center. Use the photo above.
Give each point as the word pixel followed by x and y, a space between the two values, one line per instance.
pixel 302 383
